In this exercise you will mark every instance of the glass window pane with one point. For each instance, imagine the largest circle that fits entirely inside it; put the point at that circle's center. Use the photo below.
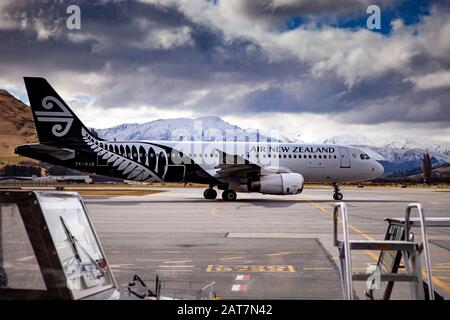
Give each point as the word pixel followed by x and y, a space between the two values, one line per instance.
pixel 19 268
pixel 82 260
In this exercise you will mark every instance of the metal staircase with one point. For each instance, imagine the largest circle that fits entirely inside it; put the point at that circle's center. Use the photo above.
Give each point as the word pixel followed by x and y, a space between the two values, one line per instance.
pixel 392 249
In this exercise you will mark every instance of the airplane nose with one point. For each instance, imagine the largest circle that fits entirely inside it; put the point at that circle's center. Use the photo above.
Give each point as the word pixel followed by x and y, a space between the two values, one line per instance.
pixel 378 169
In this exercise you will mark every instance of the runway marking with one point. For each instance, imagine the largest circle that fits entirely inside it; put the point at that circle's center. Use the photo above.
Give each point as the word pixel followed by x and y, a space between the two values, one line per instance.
pixel 167 251
pixel 215 209
pixel 121 265
pixel 250 268
pixel 242 277
pixel 231 252
pixel 435 280
pixel 25 258
pixel 284 253
pixel 177 261
pixel 231 258
pixel 178 266
pixel 239 287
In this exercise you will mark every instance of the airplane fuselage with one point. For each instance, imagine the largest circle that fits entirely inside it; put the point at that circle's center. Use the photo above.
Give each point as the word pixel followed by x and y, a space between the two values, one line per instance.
pixel 196 161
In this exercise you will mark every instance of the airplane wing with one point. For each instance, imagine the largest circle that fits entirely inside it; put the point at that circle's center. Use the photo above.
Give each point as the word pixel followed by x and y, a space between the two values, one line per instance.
pixel 236 166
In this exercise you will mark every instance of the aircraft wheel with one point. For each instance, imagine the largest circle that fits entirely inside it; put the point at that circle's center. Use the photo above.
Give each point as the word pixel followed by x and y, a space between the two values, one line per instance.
pixel 338 196
pixel 229 195
pixel 210 194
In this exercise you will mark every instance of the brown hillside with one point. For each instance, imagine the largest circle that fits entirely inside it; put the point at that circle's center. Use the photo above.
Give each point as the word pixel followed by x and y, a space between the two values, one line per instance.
pixel 16 126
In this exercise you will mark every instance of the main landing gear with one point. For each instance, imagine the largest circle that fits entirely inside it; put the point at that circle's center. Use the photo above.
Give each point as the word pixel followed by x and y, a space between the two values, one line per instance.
pixel 210 193
pixel 337 194
pixel 229 195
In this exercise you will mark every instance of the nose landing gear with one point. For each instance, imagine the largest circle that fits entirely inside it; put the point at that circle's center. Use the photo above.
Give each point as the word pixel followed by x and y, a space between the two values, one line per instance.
pixel 337 194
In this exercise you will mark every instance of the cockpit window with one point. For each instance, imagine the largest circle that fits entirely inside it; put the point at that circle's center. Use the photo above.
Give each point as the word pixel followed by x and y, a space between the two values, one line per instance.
pixel 364 156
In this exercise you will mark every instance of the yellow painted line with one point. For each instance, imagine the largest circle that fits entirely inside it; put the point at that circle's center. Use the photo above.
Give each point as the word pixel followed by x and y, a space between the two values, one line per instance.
pixel 231 258
pixel 318 206
pixel 355 229
pixel 216 208
pixel 358 231
pixel 177 261
pixel 176 270
pixel 437 281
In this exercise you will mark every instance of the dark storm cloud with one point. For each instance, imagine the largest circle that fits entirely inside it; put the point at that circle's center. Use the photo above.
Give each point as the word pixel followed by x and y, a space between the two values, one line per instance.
pixel 159 55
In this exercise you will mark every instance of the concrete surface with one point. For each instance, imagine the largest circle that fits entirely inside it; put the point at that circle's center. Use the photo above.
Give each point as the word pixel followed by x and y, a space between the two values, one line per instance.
pixel 260 246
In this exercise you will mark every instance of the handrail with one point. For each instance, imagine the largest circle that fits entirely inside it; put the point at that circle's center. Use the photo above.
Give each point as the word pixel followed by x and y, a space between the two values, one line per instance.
pixel 348 263
pixel 211 293
pixel 421 211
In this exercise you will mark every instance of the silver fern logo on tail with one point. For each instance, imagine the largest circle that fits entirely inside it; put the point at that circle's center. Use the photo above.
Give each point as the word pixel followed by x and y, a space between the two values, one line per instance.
pixel 121 161
pixel 61 117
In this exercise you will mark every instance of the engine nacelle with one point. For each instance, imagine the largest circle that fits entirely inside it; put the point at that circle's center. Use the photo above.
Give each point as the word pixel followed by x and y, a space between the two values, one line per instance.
pixel 283 183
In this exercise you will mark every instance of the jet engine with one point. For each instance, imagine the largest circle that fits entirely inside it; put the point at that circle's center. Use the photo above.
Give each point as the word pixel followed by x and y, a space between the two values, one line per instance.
pixel 283 183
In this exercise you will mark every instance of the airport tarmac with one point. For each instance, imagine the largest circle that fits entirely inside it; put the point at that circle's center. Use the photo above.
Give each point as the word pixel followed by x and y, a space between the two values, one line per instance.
pixel 258 247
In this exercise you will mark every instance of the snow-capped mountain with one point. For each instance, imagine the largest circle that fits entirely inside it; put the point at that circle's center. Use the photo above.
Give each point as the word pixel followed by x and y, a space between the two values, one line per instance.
pixel 349 140
pixel 401 142
pixel 203 128
pixel 295 138
pixel 442 147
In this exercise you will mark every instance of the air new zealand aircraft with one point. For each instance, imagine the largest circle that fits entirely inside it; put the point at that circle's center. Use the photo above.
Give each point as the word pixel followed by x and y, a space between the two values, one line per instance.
pixel 265 167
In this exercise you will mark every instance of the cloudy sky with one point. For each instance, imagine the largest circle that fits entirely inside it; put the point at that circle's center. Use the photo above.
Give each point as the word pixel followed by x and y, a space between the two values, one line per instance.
pixel 308 66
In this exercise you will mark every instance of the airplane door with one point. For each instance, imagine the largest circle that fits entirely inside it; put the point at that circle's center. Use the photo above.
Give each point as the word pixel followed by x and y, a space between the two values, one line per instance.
pixel 345 157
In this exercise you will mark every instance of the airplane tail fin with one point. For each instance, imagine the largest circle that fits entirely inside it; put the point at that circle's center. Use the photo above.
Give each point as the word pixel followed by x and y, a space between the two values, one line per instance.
pixel 55 122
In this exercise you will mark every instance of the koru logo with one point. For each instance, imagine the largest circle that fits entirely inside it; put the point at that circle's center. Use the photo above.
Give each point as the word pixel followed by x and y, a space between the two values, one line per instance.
pixel 63 116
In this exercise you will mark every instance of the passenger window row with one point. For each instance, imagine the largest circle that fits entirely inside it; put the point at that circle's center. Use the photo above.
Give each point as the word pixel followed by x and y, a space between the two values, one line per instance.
pixel 290 156
pixel 133 153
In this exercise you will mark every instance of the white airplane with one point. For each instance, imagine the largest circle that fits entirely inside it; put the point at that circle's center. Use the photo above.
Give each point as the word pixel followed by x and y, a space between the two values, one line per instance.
pixel 265 167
